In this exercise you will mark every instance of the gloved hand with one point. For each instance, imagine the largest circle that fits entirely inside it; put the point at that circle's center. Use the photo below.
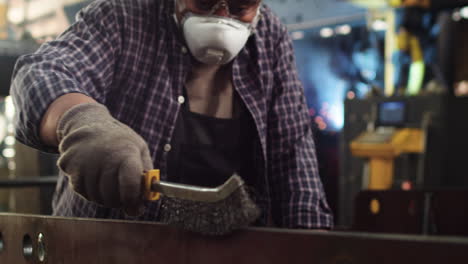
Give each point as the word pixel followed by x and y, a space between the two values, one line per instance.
pixel 103 157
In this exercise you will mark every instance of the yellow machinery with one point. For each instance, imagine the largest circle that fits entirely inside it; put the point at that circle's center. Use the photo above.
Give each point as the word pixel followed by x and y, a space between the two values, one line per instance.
pixel 408 42
pixel 381 148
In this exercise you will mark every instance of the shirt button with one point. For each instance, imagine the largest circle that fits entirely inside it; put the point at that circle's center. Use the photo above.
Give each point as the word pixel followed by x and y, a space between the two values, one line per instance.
pixel 167 147
pixel 184 50
pixel 181 99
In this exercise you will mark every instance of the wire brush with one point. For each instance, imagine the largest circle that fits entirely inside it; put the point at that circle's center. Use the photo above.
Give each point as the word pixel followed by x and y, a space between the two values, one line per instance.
pixel 209 211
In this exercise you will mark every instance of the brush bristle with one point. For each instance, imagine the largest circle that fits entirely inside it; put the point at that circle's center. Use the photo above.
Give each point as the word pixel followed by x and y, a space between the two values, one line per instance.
pixel 235 212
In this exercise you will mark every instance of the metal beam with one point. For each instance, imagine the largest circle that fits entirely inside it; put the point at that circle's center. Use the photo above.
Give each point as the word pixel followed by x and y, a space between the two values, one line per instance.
pixel 61 240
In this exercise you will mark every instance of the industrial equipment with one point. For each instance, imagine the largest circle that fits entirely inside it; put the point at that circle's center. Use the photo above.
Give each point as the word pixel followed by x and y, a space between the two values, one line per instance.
pixel 434 121
pixel 384 144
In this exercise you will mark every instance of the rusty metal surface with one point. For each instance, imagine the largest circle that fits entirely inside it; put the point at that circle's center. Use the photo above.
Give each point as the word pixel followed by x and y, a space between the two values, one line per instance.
pixel 93 241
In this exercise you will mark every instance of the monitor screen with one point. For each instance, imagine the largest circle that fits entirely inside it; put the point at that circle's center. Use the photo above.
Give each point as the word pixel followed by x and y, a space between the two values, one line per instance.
pixel 391 113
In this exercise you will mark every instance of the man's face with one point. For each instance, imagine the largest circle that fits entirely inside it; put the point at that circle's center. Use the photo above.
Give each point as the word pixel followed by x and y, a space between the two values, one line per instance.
pixel 242 10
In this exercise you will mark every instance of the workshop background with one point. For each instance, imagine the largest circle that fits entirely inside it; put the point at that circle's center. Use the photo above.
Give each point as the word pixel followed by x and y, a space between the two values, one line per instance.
pixel 387 88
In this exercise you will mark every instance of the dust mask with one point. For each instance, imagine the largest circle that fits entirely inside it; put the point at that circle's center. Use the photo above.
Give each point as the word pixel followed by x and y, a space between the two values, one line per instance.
pixel 215 40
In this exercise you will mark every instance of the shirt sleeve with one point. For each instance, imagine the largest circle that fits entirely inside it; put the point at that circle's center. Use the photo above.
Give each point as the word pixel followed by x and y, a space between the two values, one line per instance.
pixel 81 60
pixel 298 198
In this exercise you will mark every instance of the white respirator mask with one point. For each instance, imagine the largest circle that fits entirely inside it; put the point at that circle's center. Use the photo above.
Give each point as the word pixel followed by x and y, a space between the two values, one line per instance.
pixel 214 39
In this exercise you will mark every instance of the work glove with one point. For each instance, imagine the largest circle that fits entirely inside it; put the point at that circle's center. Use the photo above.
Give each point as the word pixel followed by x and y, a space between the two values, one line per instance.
pixel 104 158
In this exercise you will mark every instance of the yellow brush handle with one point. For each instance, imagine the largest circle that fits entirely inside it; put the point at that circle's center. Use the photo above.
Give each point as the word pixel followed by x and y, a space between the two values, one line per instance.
pixel 150 177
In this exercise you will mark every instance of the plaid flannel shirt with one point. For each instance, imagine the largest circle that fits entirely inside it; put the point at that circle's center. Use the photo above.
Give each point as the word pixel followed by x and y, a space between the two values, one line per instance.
pixel 131 57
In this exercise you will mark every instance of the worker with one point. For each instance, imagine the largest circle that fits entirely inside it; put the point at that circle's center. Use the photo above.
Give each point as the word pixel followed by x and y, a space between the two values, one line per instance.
pixel 199 89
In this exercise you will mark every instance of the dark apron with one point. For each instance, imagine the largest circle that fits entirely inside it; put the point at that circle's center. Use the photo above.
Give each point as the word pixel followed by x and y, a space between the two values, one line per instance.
pixel 207 150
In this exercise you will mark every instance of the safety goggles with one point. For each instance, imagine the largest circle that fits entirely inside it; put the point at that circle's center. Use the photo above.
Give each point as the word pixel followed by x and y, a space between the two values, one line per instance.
pixel 235 8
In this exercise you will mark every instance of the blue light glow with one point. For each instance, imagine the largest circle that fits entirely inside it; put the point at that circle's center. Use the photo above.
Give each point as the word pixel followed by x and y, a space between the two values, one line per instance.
pixel 320 83
pixel 333 68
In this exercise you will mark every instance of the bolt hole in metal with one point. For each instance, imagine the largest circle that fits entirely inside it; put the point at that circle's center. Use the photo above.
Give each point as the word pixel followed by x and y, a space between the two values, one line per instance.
pixel 2 244
pixel 41 248
pixel 27 247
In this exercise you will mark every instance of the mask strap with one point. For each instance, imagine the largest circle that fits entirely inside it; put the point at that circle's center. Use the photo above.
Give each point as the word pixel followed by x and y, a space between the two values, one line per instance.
pixel 256 19
pixel 181 7
pixel 176 20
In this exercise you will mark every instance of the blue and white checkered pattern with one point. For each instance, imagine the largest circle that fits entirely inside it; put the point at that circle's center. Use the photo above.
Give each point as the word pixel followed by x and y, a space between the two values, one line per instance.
pixel 131 57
